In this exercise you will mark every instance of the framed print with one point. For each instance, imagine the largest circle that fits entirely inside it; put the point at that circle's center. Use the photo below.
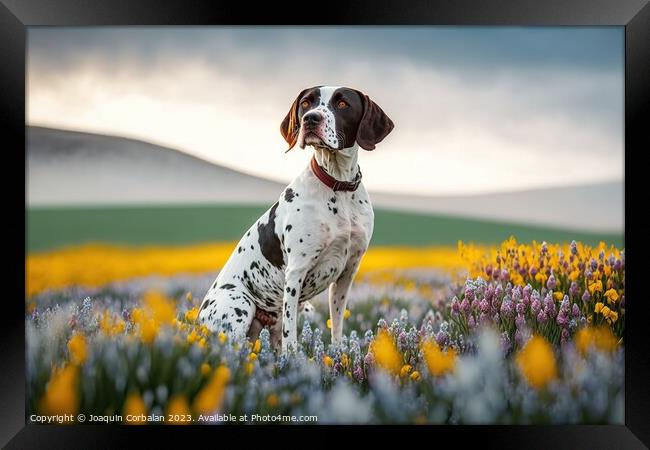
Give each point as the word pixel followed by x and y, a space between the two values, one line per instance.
pixel 367 217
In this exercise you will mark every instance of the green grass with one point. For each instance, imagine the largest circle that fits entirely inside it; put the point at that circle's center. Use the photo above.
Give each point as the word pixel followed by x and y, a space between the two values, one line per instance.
pixel 50 228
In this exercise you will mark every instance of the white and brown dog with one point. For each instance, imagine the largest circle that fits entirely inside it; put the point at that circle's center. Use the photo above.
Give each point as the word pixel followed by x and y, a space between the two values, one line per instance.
pixel 315 235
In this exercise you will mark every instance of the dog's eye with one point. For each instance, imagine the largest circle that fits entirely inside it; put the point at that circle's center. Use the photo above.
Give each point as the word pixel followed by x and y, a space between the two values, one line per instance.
pixel 342 104
pixel 305 103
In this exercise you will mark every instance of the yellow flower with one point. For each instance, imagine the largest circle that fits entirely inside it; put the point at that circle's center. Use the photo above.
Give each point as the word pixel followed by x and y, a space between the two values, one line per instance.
pixel 537 363
pixel 257 346
pixel 159 307
pixel 329 323
pixel 573 276
pixel 386 354
pixel 78 349
pixel 192 314
pixel 613 317
pixel 405 370
pixel 192 337
pixel 328 361
pixel 598 307
pixel 439 363
pixel 272 400
pixel 605 311
pixel 596 286
pixel 600 338
pixel 611 295
pixel 205 369
pixel 249 368
pixel 558 295
pixel 415 376
pixel 517 279
pixel 209 398
pixel 252 357
pixel 222 337
pixel 61 392
pixel 347 313
pixel 135 406
pixel 148 330
pixel 541 277
pixel 178 410
pixel 607 270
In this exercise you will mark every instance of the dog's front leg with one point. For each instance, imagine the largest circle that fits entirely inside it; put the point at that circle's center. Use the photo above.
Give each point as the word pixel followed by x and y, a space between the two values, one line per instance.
pixel 338 296
pixel 292 285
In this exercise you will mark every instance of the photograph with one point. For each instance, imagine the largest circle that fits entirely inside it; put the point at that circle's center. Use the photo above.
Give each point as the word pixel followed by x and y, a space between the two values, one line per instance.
pixel 316 225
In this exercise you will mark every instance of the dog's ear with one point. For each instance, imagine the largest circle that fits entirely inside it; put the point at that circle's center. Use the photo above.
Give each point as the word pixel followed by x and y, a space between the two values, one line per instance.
pixel 374 126
pixel 291 123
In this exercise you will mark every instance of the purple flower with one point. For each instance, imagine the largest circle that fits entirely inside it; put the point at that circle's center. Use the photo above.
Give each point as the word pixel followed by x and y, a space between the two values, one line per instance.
pixel 520 321
pixel 562 320
pixel 541 317
pixel 520 338
pixel 611 260
pixel 520 308
pixel 618 265
pixel 505 276
pixel 471 322
pixel 498 290
pixel 483 318
pixel 505 342
pixel 442 338
pixel 622 301
pixel 550 310
pixel 564 336
pixel 484 306
pixel 548 301
pixel 573 289
pixel 575 310
pixel 488 270
pixel 528 289
pixel 358 373
pixel 533 271
pixel 464 306
pixel 469 290
pixel 593 264
pixel 495 318
pixel 586 296
pixel 574 248
pixel 551 282
pixel 507 308
pixel 368 360
pixel 544 248
pixel 535 306
pixel 455 306
pixel 402 339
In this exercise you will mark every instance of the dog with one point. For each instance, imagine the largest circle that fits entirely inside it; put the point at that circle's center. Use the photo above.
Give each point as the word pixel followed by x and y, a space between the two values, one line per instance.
pixel 314 236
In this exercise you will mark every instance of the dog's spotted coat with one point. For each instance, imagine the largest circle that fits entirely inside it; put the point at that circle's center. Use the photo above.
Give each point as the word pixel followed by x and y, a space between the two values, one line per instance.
pixel 313 237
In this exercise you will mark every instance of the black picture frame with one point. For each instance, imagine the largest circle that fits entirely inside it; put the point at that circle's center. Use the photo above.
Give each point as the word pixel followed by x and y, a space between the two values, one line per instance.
pixel 17 15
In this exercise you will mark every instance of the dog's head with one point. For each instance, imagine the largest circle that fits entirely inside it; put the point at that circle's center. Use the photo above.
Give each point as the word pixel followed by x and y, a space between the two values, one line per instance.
pixel 335 118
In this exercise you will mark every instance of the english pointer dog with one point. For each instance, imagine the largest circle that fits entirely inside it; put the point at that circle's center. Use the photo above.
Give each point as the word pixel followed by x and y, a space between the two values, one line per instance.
pixel 315 235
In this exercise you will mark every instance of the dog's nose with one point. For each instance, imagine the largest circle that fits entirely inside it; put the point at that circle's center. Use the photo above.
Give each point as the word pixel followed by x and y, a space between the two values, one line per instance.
pixel 312 118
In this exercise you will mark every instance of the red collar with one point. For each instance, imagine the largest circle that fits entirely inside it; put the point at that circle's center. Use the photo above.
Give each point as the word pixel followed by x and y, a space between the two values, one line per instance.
pixel 332 182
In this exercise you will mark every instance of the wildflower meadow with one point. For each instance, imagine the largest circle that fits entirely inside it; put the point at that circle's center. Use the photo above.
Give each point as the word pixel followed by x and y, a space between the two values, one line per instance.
pixel 517 333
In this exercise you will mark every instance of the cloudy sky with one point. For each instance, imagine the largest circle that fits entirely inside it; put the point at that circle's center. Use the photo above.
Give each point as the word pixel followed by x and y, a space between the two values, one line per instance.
pixel 478 109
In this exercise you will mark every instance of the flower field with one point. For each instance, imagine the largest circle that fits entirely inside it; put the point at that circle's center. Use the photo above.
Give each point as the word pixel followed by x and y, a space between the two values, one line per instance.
pixel 516 333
